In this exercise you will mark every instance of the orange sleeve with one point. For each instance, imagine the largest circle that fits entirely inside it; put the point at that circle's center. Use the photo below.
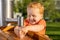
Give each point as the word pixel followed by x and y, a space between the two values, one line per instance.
pixel 25 22
pixel 42 32
pixel 42 22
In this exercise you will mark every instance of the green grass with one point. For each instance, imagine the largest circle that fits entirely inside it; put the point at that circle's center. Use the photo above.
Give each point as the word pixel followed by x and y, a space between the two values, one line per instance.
pixel 53 30
pixel 53 24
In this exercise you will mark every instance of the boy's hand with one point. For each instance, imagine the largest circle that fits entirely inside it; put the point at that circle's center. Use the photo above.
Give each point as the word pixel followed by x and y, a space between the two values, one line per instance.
pixel 22 34
pixel 25 30
pixel 17 30
pixel 16 27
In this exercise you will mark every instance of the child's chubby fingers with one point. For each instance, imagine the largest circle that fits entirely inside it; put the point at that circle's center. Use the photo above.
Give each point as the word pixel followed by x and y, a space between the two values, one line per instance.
pixel 25 29
pixel 16 30
pixel 22 34
pixel 17 27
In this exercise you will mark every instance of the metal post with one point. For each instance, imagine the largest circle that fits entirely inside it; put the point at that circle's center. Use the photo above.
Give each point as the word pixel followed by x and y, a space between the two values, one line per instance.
pixel 9 8
pixel 20 21
pixel 1 13
pixel 6 11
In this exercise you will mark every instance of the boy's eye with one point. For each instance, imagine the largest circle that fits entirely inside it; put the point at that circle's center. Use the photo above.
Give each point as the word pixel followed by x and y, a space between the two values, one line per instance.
pixel 32 15
pixel 29 15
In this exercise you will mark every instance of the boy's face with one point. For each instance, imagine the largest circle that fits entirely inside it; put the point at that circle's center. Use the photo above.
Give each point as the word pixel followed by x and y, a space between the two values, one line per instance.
pixel 33 15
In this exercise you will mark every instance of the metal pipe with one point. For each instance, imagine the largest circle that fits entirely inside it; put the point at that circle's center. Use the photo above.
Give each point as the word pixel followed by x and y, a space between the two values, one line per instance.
pixel 9 8
pixel 6 11
pixel 1 13
pixel 11 19
pixel 20 21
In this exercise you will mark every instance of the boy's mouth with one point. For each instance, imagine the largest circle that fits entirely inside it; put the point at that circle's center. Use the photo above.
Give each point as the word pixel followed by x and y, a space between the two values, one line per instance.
pixel 33 21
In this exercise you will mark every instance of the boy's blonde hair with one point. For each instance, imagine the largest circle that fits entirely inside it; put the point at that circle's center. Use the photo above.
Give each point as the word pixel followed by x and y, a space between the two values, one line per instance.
pixel 36 5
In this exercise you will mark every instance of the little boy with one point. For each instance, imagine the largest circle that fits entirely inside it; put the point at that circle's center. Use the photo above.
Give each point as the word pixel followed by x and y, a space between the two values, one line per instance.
pixel 34 24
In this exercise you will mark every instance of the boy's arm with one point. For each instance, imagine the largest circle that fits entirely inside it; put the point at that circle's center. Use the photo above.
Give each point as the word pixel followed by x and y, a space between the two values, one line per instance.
pixel 36 28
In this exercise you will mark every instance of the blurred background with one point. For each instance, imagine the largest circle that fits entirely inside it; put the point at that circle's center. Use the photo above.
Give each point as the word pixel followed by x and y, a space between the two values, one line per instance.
pixel 51 14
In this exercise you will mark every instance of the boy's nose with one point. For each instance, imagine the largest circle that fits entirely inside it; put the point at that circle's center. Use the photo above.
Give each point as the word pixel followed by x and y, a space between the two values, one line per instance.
pixel 31 17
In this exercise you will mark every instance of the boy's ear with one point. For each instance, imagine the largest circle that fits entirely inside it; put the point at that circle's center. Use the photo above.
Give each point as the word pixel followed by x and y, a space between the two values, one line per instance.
pixel 42 9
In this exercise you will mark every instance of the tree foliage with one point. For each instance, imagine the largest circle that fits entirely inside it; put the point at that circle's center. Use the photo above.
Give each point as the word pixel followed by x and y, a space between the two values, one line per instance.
pixel 50 11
